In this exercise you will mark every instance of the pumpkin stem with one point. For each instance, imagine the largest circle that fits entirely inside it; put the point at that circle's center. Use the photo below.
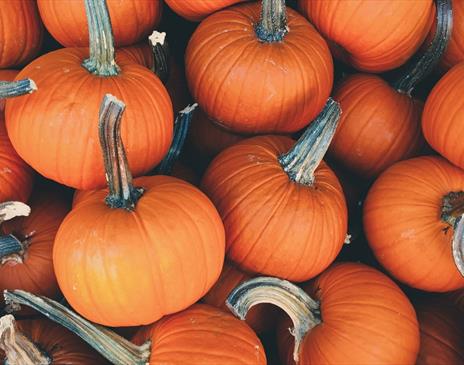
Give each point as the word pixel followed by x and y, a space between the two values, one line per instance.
pixel 19 350
pixel 122 194
pixel 299 306
pixel 419 68
pixel 12 248
pixel 113 347
pixel 12 209
pixel 101 42
pixel 11 89
pixel 181 128
pixel 458 244
pixel 304 157
pixel 272 26
pixel 160 49
pixel 452 212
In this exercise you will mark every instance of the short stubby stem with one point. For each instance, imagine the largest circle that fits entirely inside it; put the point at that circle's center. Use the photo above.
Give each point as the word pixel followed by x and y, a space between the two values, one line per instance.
pixel 458 244
pixel 12 249
pixel 302 160
pixel 299 306
pixel 19 350
pixel 11 89
pixel 452 213
pixel 420 67
pixel 160 49
pixel 272 26
pixel 101 60
pixel 12 209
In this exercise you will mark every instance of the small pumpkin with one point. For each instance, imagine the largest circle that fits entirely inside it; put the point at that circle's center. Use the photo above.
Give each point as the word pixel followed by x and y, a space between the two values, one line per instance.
pixel 259 74
pixel 352 315
pixel 372 36
pixel 281 204
pixel 131 20
pixel 411 217
pixel 198 9
pixel 21 32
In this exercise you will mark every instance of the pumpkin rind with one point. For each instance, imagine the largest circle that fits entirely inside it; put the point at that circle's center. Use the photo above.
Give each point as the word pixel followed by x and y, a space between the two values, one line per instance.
pixel 198 9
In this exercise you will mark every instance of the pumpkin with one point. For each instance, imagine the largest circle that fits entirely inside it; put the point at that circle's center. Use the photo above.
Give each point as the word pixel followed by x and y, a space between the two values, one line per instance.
pixel 16 176
pixel 372 36
pixel 199 335
pixel 441 333
pixel 352 315
pixel 20 34
pixel 42 342
pixel 131 20
pixel 281 204
pixel 178 236
pixel 260 319
pixel 442 120
pixel 252 74
pixel 411 217
pixel 198 9
pixel 54 131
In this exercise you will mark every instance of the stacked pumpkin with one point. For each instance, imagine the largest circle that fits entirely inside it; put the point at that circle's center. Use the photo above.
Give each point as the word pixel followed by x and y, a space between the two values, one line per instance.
pixel 326 135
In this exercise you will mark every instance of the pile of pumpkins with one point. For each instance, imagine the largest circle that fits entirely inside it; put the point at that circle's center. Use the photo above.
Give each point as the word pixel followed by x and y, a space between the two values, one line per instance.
pixel 231 182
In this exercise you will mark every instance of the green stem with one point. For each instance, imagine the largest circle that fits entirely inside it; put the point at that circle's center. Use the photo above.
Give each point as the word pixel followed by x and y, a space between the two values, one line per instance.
pixel 418 69
pixel 452 212
pixel 272 26
pixel 181 128
pixel 299 306
pixel 115 348
pixel 302 160
pixel 458 244
pixel 122 194
pixel 101 43
pixel 160 49
pixel 11 89
pixel 11 248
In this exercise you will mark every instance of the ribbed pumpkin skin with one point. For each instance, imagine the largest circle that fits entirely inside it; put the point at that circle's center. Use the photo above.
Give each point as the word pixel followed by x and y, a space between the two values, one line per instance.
pixel 55 128
pixel 260 318
pixel 442 334
pixel 366 319
pixel 16 177
pixel 374 35
pixel 271 221
pixel 121 268
pixel 198 9
pixel 443 117
pixel 61 345
pixel 249 86
pixel 403 226
pixel 378 126
pixel 36 273
pixel 131 20
pixel 21 32
pixel 202 335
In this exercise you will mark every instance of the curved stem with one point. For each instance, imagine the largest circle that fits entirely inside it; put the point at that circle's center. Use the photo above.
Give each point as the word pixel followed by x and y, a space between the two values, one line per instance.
pixel 11 249
pixel 18 348
pixel 299 306
pixel 10 89
pixel 302 160
pixel 181 128
pixel 458 244
pixel 122 194
pixel 272 26
pixel 115 348
pixel 160 48
pixel 418 69
pixel 101 43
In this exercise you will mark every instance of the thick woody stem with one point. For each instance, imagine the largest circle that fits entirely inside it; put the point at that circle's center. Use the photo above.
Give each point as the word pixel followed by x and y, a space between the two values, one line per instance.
pixel 160 49
pixel 272 26
pixel 11 248
pixel 11 89
pixel 458 245
pixel 452 212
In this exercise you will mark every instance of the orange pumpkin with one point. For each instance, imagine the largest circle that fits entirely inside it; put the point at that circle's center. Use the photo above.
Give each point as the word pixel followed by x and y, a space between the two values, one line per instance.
pixel 178 233
pixel 54 131
pixel 20 34
pixel 281 207
pixel 443 117
pixel 273 77
pixel 410 216
pixel 16 176
pixel 372 36
pixel 352 315
pixel 198 9
pixel 131 20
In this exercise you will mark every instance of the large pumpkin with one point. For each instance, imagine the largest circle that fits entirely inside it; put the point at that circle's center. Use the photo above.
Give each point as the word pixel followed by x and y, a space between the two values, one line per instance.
pixel 410 215
pixel 21 32
pixel 252 74
pixel 131 20
pixel 352 315
pixel 54 130
pixel 280 206
pixel 371 35
pixel 198 9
